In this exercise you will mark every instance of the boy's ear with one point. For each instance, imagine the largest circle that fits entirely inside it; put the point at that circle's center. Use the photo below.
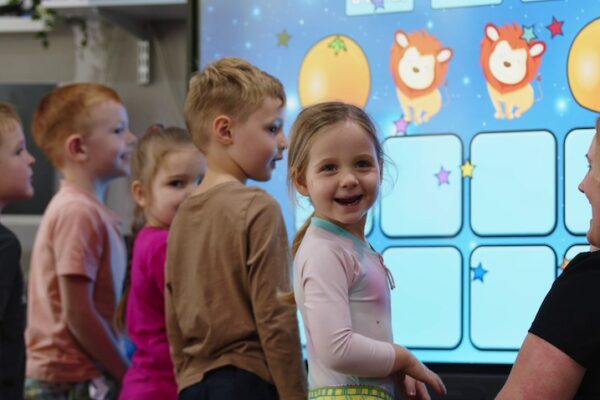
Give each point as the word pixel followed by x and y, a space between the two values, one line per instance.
pixel 221 128
pixel 137 192
pixel 75 148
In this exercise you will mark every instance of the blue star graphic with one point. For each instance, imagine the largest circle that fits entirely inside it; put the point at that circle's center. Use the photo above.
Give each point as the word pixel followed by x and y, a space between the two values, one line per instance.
pixel 479 272
pixel 528 33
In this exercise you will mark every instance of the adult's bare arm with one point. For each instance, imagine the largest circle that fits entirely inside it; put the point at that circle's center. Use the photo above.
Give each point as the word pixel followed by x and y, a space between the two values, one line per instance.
pixel 542 371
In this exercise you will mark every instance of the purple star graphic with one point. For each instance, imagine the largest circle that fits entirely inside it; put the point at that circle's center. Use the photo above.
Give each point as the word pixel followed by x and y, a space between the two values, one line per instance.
pixel 443 176
pixel 378 4
pixel 401 125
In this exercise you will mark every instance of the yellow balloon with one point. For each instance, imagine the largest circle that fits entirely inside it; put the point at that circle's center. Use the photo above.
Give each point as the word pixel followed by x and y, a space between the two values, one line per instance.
pixel 584 66
pixel 335 68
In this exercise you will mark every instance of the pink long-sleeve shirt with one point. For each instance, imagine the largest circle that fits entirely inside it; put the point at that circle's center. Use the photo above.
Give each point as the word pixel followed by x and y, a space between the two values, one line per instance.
pixel 341 288
pixel 151 375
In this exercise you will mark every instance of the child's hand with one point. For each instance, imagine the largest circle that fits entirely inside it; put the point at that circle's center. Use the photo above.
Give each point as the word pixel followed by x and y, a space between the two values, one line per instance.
pixel 417 376
pixel 411 388
pixel 413 375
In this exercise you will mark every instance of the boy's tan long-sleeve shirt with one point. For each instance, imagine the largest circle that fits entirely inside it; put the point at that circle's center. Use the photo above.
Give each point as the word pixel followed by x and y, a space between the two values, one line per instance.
pixel 227 258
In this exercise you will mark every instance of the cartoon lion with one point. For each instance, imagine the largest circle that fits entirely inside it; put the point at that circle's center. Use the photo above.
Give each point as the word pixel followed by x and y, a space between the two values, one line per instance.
pixel 509 64
pixel 419 66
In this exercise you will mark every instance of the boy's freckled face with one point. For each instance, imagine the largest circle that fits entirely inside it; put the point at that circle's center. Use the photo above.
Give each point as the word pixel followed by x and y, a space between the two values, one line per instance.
pixel 259 141
pixel 15 165
pixel 109 142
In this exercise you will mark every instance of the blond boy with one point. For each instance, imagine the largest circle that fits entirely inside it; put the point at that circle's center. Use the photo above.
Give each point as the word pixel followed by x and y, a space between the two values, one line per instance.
pixel 78 260
pixel 230 337
pixel 15 184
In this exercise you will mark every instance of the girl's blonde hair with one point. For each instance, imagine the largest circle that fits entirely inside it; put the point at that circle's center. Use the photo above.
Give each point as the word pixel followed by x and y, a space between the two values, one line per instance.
pixel 306 129
pixel 148 155
pixel 149 152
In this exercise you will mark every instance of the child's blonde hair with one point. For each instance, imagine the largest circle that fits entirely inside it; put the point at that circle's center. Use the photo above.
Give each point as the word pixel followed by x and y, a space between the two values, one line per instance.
pixel 147 157
pixel 64 111
pixel 8 119
pixel 310 122
pixel 149 152
pixel 229 86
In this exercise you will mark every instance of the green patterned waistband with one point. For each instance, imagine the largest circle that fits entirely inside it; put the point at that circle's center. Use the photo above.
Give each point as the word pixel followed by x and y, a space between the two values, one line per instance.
pixel 353 392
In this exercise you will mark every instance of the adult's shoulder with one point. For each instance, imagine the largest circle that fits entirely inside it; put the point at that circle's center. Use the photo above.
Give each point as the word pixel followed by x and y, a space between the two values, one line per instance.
pixel 566 318
pixel 580 274
pixel 583 270
pixel 585 260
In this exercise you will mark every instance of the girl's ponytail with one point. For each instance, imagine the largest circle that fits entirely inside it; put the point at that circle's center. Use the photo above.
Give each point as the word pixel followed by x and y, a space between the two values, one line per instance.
pixel 288 297
pixel 300 234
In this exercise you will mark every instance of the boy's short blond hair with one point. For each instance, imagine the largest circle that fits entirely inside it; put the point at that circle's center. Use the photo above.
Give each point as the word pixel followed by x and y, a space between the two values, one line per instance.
pixel 65 111
pixel 230 86
pixel 8 119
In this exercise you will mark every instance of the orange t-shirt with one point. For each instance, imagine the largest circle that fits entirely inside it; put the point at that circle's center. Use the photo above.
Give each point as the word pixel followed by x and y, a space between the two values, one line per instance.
pixel 78 235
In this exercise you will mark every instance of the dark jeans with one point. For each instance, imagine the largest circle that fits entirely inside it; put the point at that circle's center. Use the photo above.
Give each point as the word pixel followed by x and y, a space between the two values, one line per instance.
pixel 230 383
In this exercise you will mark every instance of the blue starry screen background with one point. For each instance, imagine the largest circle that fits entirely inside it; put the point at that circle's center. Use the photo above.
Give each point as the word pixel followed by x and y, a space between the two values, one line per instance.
pixel 478 212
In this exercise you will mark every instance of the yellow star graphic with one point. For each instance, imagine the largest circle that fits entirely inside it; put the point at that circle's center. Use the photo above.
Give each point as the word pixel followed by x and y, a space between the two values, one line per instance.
pixel 467 169
pixel 283 38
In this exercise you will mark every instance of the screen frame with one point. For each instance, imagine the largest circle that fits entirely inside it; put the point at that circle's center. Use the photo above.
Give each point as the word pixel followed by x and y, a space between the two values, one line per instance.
pixel 452 367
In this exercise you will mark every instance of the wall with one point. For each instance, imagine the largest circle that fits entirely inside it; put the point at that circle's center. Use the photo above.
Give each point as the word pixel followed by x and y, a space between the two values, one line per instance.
pixel 24 60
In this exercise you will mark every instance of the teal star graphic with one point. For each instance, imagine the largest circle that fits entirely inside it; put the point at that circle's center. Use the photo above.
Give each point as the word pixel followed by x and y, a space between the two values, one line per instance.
pixel 338 45
pixel 283 38
pixel 528 33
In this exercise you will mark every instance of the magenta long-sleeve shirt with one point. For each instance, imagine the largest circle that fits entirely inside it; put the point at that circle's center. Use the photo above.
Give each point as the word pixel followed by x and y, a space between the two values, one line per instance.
pixel 151 375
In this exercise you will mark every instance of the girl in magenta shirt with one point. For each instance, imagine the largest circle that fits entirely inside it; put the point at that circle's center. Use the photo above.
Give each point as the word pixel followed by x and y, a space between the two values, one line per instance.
pixel 166 167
